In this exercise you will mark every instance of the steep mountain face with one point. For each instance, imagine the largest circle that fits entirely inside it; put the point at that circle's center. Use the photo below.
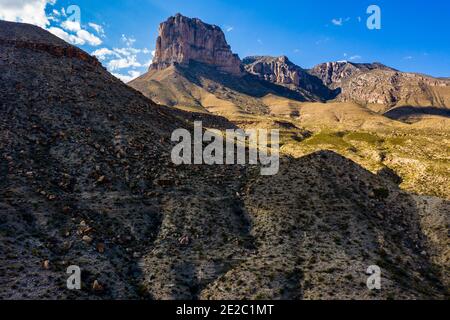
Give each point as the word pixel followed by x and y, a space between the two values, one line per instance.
pixel 182 39
pixel 395 89
pixel 381 87
pixel 282 71
pixel 333 74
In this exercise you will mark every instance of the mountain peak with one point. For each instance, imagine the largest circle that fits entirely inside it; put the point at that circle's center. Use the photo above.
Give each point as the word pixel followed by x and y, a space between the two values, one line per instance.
pixel 281 70
pixel 333 73
pixel 182 39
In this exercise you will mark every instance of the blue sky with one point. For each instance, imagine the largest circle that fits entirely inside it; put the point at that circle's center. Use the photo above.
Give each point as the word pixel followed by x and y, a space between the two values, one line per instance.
pixel 414 34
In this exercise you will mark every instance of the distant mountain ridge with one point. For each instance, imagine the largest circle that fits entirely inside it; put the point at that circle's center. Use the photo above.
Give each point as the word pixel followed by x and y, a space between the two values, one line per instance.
pixel 195 69
pixel 258 84
pixel 281 70
pixel 381 86
pixel 334 73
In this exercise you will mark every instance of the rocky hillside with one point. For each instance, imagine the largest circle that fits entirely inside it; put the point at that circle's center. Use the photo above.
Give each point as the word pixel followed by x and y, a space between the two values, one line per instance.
pixel 201 88
pixel 381 87
pixel 282 71
pixel 78 151
pixel 389 89
pixel 314 236
pixel 182 39
pixel 86 180
pixel 333 74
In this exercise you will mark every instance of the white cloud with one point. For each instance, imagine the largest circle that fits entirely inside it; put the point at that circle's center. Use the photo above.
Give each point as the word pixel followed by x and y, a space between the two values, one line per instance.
pixel 355 57
pixel 33 12
pixel 103 53
pixel 89 38
pixel 129 41
pixel 73 26
pixel 80 38
pixel 127 78
pixel 229 29
pixel 98 28
pixel 134 74
pixel 123 63
pixel 60 33
pixel 337 22
pixel 27 11
pixel 408 58
pixel 148 63
pixel 124 57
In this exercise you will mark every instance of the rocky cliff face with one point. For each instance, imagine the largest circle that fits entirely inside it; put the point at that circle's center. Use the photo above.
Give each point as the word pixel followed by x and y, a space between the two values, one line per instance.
pixel 183 39
pixel 281 70
pixel 333 73
pixel 377 84
pixel 274 69
pixel 392 88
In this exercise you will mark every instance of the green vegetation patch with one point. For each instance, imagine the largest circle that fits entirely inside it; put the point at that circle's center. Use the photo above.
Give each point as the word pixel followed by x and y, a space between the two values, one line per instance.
pixel 364 137
pixel 328 138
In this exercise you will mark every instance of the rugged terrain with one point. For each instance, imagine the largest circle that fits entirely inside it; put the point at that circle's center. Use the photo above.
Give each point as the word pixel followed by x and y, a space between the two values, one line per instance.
pixel 281 71
pixel 381 88
pixel 202 88
pixel 86 179
pixel 194 69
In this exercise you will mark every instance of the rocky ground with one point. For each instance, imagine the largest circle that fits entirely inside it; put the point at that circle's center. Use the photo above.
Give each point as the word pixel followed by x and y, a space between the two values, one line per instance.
pixel 86 179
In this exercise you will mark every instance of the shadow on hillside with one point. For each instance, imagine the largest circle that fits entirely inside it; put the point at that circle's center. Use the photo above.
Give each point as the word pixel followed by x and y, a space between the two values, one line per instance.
pixel 403 113
pixel 340 191
pixel 248 84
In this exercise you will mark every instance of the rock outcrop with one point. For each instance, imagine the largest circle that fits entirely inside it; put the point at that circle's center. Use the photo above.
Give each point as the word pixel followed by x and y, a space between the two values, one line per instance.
pixel 281 70
pixel 182 39
pixel 333 73
pixel 274 69
pixel 377 84
pixel 392 88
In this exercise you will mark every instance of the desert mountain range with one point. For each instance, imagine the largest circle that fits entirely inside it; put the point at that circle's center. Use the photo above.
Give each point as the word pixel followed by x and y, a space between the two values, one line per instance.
pixel 86 177
pixel 223 79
